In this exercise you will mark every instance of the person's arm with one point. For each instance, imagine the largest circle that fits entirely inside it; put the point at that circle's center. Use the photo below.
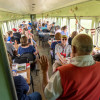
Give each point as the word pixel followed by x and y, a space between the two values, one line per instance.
pixel 68 51
pixel 57 51
pixel 52 87
pixel 20 83
pixel 35 51
pixel 44 66
pixel 13 49
pixel 56 48
pixel 24 84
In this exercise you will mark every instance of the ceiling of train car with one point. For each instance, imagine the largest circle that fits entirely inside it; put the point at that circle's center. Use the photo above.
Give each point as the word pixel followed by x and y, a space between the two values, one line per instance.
pixel 35 6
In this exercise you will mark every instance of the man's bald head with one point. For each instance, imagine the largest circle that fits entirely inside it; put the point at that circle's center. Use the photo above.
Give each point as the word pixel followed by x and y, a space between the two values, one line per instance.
pixel 83 43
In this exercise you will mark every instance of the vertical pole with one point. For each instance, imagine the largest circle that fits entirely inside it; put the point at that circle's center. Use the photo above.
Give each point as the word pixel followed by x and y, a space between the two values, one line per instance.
pixel 68 24
pixel 7 89
pixel 96 35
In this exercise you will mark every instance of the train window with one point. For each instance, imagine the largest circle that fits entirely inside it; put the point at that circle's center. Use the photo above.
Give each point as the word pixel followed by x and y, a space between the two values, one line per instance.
pixel 9 25
pixel 17 24
pixel 55 19
pixel 86 24
pixel 99 40
pixel 12 25
pixel 61 22
pixel 64 21
pixel 5 28
pixel 58 21
pixel 72 25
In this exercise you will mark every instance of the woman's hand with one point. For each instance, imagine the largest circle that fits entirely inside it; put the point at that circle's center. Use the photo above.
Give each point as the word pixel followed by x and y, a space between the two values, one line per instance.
pixel 44 63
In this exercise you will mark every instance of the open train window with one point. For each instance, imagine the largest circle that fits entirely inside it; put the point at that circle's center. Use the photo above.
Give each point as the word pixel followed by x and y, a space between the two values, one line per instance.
pixel 4 28
pixel 58 21
pixel 98 36
pixel 63 22
pixel 72 25
pixel 99 40
pixel 9 26
pixel 86 24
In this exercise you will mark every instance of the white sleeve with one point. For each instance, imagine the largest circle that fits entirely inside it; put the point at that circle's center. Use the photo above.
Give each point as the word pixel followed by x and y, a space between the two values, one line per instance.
pixel 69 50
pixel 56 48
pixel 54 88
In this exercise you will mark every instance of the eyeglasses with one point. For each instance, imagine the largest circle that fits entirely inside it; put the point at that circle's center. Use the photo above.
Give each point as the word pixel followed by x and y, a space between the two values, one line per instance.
pixel 64 39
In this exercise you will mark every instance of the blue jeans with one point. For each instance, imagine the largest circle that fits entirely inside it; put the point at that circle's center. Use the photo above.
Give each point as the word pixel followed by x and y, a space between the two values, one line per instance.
pixel 35 96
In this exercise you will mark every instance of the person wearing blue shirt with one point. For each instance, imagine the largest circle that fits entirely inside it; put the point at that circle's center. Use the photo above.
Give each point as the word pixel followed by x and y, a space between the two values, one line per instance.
pixel 30 23
pixel 39 27
pixel 22 88
pixel 26 48
pixel 58 40
pixel 9 38
pixel 10 34
pixel 54 44
pixel 29 27
pixel 64 31
pixel 29 49
pixel 43 27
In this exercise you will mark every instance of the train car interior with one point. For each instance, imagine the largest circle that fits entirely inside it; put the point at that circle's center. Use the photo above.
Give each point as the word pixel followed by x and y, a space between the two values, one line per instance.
pixel 49 49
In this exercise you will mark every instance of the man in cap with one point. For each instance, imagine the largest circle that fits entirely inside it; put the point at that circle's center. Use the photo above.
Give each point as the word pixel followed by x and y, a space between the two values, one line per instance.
pixel 53 27
pixel 79 80
pixel 16 35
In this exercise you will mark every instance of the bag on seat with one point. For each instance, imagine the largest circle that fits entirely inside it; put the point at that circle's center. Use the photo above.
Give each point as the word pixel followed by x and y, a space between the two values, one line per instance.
pixel 21 60
pixel 30 56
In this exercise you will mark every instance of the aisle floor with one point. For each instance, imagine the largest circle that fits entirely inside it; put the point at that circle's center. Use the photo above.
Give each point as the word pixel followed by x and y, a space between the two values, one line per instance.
pixel 38 79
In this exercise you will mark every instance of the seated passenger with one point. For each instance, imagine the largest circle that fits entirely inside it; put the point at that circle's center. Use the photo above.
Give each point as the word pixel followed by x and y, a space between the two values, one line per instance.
pixel 47 25
pixel 29 22
pixel 43 27
pixel 64 31
pixel 16 45
pixel 10 35
pixel 52 27
pixel 74 33
pixel 16 34
pixel 22 88
pixel 26 48
pixel 57 29
pixel 23 24
pixel 39 27
pixel 79 80
pixel 63 48
pixel 29 27
pixel 20 29
pixel 10 48
pixel 58 40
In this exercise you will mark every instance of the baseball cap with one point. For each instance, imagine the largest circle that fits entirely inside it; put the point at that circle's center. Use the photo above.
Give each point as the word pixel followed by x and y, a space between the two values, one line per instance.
pixel 63 36
pixel 14 29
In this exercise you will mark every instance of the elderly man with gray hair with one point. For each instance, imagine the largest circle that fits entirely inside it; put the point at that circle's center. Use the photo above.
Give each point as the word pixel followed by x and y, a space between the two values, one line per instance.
pixel 79 80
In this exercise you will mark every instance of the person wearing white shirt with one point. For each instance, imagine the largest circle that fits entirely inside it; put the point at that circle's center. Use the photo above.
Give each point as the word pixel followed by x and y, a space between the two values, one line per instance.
pixel 82 81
